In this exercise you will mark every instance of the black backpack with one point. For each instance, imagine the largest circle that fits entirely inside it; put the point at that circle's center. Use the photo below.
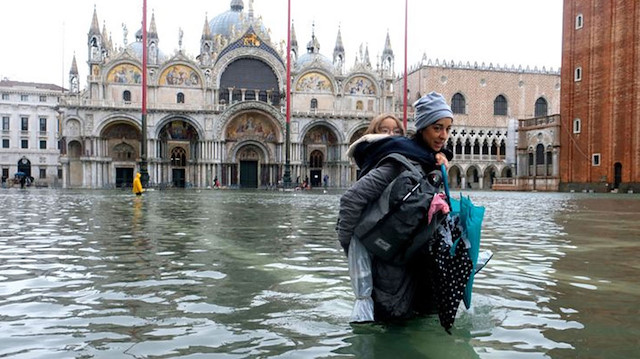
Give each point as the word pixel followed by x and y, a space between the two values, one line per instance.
pixel 395 226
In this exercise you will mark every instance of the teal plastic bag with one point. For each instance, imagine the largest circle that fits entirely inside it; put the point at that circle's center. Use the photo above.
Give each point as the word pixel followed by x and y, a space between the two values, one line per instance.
pixel 471 217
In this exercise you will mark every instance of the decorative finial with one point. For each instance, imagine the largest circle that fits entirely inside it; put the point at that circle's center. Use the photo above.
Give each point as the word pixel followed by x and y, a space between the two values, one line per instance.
pixel 125 32
pixel 180 34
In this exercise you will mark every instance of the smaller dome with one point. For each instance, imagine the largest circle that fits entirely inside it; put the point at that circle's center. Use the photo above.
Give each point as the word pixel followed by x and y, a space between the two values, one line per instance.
pixel 136 49
pixel 314 59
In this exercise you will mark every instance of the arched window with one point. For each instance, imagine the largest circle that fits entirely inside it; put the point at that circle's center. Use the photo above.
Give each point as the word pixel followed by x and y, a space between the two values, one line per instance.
pixel 494 148
pixel 123 151
pixel 539 154
pixel 236 96
pixel 126 96
pixel 223 97
pixel 474 174
pixel 180 97
pixel 541 107
pixel 476 147
pixel 500 106
pixel 458 103
pixel 467 147
pixel 485 148
pixel 178 157
pixel 314 104
pixel 316 159
pixel 458 147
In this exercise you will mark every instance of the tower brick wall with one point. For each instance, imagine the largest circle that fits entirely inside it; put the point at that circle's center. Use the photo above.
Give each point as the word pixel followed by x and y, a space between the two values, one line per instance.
pixel 601 40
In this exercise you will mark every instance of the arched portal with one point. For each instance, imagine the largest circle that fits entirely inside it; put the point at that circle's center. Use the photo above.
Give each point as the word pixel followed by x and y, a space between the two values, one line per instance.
pixel 76 171
pixel 321 149
pixel 249 158
pixel 455 177
pixel 490 173
pixel 472 178
pixel 177 148
pixel 24 166
pixel 178 163
pixel 123 146
pixel 617 174
pixel 251 139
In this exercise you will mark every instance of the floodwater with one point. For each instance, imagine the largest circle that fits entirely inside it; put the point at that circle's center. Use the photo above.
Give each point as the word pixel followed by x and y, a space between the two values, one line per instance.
pixel 234 274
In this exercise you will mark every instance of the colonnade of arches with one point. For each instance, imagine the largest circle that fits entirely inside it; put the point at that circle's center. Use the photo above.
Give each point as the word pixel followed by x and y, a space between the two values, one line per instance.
pixel 249 154
pixel 476 176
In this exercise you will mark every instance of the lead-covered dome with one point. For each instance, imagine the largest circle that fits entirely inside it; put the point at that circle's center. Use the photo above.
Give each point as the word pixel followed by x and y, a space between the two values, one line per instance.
pixel 233 18
pixel 313 57
pixel 135 48
pixel 234 22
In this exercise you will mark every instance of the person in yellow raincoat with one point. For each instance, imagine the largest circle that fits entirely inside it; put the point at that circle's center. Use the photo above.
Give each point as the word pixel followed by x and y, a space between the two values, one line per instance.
pixel 137 185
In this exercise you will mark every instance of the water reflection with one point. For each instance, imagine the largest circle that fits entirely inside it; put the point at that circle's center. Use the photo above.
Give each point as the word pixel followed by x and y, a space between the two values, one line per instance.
pixel 260 274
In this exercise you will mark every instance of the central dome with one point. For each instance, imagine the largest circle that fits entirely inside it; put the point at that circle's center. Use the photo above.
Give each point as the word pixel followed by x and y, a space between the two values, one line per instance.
pixel 237 20
pixel 223 23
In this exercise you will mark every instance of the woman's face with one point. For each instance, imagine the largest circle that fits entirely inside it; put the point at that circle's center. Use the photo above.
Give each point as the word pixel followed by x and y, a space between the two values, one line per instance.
pixel 389 126
pixel 436 135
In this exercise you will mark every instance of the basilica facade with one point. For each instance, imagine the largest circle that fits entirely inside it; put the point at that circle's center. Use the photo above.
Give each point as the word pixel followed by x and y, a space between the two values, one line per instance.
pixel 220 114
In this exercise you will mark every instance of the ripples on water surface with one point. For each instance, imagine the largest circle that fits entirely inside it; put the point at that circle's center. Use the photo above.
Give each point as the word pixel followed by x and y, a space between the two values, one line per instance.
pixel 205 274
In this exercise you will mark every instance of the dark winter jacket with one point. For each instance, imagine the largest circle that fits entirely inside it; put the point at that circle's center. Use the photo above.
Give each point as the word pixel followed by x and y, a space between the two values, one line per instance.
pixel 398 291
pixel 367 152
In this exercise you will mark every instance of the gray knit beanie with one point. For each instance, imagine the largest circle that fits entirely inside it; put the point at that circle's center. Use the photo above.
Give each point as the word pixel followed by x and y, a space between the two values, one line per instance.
pixel 429 109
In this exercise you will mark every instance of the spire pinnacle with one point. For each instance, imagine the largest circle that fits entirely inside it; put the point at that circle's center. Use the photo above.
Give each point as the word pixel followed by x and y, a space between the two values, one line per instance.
pixel 366 56
pixel 313 46
pixel 294 41
pixel 387 46
pixel 339 46
pixel 105 35
pixel 250 10
pixel 206 30
pixel 74 66
pixel 153 31
pixel 95 27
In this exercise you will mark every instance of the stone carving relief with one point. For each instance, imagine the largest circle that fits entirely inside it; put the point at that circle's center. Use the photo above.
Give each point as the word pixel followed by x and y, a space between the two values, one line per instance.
pixel 73 128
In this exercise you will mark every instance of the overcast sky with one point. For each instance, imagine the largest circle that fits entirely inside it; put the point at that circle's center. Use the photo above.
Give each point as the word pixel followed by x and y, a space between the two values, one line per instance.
pixel 39 37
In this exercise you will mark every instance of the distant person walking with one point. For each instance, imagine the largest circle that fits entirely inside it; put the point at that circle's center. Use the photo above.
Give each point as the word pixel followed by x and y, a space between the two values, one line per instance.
pixel 137 185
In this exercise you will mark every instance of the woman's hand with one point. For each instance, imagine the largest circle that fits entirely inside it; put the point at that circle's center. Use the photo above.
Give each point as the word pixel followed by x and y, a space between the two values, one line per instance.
pixel 441 159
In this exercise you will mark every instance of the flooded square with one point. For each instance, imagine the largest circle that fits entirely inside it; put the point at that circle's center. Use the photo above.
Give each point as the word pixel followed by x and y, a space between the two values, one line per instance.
pixel 255 274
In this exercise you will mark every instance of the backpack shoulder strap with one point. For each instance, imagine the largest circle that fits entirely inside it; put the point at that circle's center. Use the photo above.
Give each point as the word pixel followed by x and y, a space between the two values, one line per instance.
pixel 403 161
